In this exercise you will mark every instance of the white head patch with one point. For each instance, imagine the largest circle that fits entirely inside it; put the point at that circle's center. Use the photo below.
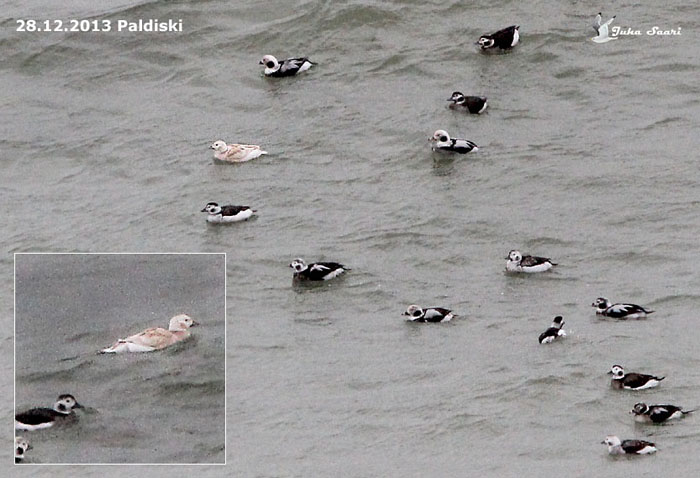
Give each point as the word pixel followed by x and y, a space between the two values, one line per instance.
pixel 298 265
pixel 219 146
pixel 515 256
pixel 180 322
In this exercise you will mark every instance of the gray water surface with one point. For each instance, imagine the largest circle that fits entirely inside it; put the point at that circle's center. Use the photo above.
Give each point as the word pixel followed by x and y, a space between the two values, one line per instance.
pixel 588 155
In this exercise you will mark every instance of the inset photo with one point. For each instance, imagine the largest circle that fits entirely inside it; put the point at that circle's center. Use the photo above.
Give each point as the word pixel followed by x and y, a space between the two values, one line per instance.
pixel 120 358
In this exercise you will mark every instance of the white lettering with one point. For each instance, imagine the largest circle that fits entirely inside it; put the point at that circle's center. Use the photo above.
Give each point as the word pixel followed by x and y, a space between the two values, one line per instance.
pixel 658 31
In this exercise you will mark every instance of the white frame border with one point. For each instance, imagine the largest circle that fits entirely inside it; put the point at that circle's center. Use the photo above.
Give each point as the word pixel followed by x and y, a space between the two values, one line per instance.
pixel 14 355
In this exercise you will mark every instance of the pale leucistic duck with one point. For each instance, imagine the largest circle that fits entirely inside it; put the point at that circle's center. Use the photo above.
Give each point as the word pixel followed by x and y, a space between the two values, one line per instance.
pixel 155 338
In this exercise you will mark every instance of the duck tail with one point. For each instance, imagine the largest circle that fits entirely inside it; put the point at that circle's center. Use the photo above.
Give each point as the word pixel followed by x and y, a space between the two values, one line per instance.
pixel 112 349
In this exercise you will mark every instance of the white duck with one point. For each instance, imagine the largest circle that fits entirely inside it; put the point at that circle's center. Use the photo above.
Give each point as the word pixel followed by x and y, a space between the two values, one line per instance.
pixel 236 153
pixel 155 338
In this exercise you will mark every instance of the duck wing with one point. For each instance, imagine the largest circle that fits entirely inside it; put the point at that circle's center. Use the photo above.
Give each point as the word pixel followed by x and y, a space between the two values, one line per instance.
pixel 633 446
pixel 36 416
pixel 636 380
pixel 529 261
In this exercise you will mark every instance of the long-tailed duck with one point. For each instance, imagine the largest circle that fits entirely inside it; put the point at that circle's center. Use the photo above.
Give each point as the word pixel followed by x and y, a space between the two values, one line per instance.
pixel 288 67
pixel 619 311
pixel 602 30
pixel 628 447
pixel 316 271
pixel 225 214
pixel 416 313
pixel 554 331
pixel 444 144
pixel 155 338
pixel 236 153
pixel 644 413
pixel 503 39
pixel 473 104
pixel 21 446
pixel 632 381
pixel 38 418
pixel 516 262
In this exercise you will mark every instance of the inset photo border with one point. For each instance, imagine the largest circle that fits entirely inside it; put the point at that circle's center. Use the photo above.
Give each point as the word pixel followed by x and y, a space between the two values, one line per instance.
pixel 120 358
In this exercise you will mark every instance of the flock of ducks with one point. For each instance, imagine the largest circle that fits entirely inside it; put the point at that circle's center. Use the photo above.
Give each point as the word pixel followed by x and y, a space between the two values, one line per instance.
pixel 516 262
pixel 62 412
pixel 503 39
pixel 157 338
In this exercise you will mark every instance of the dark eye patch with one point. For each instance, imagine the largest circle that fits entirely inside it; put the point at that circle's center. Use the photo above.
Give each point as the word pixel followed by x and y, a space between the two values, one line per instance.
pixel 443 138
pixel 270 64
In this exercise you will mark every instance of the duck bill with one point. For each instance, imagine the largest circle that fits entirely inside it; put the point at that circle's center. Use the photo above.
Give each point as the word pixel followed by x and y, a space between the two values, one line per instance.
pixel 194 324
pixel 610 372
pixel 77 405
pixel 203 210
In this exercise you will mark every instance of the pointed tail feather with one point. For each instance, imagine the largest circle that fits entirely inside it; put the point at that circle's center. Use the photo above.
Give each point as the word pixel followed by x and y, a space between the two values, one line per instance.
pixel 112 348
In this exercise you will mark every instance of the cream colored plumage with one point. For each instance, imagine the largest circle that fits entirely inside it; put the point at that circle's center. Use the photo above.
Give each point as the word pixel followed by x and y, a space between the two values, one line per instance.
pixel 236 153
pixel 155 338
